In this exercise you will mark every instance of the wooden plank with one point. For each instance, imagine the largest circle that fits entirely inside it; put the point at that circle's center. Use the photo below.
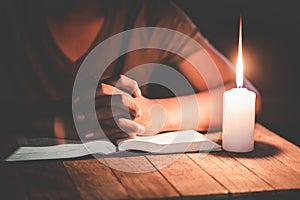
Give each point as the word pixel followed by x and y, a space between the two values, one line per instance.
pixel 95 180
pixel 276 173
pixel 232 174
pixel 272 160
pixel 186 176
pixel 277 146
pixel 48 180
pixel 140 178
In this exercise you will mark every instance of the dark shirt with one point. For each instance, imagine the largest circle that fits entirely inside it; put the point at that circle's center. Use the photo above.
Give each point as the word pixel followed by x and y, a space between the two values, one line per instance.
pixel 37 77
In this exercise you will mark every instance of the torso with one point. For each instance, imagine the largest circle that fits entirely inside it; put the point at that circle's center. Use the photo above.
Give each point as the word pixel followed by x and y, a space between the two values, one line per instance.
pixel 54 51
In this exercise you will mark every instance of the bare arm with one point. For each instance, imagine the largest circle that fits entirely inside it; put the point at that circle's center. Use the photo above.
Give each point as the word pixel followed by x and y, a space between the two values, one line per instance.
pixel 199 111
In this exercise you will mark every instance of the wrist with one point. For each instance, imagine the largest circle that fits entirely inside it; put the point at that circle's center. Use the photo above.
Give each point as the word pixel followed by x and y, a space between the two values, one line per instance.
pixel 172 115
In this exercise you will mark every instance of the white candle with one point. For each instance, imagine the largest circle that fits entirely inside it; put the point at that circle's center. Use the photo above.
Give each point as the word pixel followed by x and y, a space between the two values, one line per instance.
pixel 238 112
pixel 238 120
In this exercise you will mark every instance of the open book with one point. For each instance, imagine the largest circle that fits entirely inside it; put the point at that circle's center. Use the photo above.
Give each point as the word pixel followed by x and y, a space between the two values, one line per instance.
pixel 170 142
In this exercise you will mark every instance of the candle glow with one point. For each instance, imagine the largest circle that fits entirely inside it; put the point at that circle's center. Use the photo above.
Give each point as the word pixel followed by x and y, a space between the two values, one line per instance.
pixel 240 64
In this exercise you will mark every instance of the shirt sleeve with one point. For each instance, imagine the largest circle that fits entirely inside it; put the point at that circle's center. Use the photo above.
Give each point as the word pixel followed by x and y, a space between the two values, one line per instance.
pixel 171 37
pixel 170 16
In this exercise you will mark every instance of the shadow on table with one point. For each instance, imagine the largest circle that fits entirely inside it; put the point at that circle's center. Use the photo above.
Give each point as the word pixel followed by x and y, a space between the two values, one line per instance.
pixel 261 150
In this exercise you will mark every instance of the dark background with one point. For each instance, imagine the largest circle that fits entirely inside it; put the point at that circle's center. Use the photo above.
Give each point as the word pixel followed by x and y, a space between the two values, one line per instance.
pixel 271 32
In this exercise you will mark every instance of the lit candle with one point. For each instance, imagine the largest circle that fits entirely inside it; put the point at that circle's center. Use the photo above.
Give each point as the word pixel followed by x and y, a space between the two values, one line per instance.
pixel 238 111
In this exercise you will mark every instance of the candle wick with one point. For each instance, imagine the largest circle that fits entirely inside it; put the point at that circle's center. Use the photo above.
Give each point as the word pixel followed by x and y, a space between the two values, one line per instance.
pixel 239 86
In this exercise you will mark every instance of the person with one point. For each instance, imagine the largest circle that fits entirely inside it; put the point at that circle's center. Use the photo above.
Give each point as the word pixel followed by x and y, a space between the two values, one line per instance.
pixel 45 42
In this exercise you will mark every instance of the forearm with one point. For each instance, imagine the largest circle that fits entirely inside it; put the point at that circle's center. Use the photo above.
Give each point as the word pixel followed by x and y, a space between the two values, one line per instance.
pixel 200 111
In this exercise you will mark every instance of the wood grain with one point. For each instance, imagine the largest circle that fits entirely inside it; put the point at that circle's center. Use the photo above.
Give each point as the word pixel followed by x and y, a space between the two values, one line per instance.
pixel 272 160
pixel 94 180
pixel 141 180
pixel 186 176
pixel 47 180
pixel 277 146
pixel 232 174
pixel 276 173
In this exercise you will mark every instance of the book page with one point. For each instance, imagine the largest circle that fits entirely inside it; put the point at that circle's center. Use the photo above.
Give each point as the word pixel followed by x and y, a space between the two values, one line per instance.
pixel 51 148
pixel 170 137
pixel 170 142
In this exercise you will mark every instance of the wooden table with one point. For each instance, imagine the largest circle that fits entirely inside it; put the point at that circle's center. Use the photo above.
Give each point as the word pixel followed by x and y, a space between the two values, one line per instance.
pixel 271 171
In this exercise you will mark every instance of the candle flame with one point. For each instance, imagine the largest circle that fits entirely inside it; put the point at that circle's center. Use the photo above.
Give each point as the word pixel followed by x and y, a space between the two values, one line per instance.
pixel 240 65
